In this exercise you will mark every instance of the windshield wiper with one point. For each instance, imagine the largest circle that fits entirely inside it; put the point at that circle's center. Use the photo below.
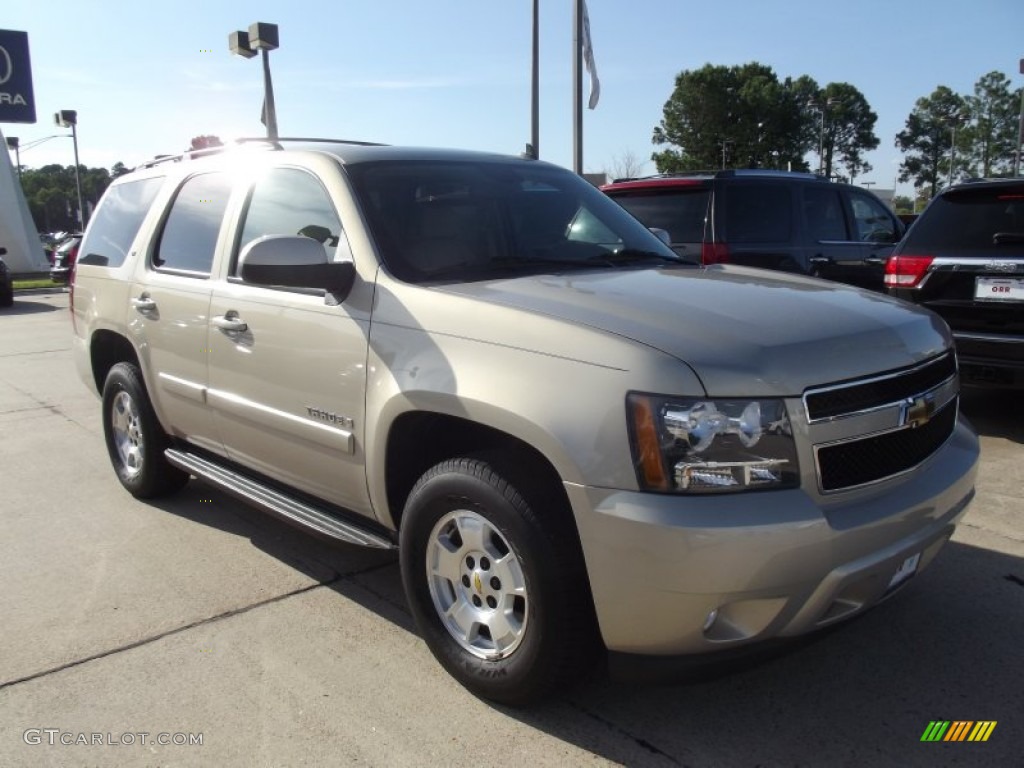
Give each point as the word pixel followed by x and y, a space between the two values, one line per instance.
pixel 636 254
pixel 1008 237
pixel 476 269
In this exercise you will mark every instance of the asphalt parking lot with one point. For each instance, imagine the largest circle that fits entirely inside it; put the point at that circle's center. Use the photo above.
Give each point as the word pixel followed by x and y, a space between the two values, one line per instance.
pixel 197 618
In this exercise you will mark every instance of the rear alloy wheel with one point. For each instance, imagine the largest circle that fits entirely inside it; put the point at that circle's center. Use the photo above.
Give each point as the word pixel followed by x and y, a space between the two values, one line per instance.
pixel 135 440
pixel 497 589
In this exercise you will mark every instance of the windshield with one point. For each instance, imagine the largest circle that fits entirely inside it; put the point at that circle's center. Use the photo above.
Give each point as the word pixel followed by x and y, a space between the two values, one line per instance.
pixel 473 220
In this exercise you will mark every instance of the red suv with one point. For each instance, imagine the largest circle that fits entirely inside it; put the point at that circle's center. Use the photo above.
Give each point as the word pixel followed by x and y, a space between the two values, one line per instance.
pixel 795 222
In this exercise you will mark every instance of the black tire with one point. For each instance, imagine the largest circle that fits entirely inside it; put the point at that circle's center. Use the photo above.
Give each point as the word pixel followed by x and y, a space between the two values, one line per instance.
pixel 135 440
pixel 6 297
pixel 547 633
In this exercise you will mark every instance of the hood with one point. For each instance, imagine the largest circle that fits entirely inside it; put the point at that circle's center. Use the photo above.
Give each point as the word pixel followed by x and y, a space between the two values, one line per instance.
pixel 744 332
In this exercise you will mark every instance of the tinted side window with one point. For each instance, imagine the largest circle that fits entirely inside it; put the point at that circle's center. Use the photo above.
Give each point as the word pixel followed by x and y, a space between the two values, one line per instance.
pixel 117 222
pixel 190 232
pixel 289 201
pixel 758 213
pixel 823 213
pixel 872 221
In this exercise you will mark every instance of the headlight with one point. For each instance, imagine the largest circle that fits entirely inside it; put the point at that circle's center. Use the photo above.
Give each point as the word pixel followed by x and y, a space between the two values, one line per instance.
pixel 700 445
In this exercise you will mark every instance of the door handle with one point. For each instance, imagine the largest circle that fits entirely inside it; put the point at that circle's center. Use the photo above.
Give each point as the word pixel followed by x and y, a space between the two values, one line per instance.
pixel 144 303
pixel 230 323
pixel 875 261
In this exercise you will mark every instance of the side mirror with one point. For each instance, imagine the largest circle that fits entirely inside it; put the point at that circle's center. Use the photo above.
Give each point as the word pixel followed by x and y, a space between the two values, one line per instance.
pixel 662 235
pixel 293 261
pixel 3 251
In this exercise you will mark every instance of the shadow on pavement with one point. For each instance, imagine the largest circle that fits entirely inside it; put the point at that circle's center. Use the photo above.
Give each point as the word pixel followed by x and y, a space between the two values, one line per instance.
pixel 946 648
pixel 29 304
pixel 994 412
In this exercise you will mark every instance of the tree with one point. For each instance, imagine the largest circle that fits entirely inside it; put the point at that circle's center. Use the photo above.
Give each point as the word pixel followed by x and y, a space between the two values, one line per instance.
pixel 902 204
pixel 205 142
pixel 739 116
pixel 849 131
pixel 53 197
pixel 927 139
pixel 993 131
pixel 118 169
pixel 625 166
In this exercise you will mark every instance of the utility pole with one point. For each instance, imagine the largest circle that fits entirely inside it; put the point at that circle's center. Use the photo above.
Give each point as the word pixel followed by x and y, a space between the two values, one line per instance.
pixel 535 86
pixel 1020 128
pixel 577 87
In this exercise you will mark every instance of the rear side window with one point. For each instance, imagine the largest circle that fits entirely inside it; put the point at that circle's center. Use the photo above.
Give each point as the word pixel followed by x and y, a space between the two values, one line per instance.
pixel 758 213
pixel 970 220
pixel 189 235
pixel 117 220
pixel 823 213
pixel 680 212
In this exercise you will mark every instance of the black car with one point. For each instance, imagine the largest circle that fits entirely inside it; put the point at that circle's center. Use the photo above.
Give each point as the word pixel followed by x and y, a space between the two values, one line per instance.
pixel 796 222
pixel 964 259
pixel 6 285
pixel 64 260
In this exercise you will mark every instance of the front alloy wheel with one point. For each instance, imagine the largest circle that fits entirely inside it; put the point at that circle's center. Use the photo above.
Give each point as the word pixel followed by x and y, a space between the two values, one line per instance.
pixel 477 585
pixel 494 576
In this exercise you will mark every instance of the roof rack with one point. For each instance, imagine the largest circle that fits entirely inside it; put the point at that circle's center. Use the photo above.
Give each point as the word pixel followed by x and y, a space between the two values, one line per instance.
pixel 272 144
pixel 722 174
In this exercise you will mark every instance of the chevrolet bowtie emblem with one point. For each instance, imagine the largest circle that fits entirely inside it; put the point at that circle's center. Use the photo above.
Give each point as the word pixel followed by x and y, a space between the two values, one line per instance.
pixel 917 411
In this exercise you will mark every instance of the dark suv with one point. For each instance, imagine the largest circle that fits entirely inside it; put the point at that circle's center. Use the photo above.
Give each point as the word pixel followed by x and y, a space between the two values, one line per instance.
pixel 964 259
pixel 795 222
pixel 6 282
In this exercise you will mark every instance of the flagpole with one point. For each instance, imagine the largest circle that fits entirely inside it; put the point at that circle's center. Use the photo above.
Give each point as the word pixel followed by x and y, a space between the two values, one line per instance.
pixel 577 87
pixel 535 85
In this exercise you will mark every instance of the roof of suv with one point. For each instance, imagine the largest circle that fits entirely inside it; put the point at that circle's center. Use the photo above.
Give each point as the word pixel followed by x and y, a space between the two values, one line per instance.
pixel 690 178
pixel 345 150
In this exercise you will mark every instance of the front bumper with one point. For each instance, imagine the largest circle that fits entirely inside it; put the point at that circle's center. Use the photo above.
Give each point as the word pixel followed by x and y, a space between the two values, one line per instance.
pixel 686 575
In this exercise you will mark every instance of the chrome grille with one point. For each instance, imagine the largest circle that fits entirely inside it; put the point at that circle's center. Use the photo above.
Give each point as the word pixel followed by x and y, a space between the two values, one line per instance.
pixel 870 429
pixel 859 462
pixel 844 398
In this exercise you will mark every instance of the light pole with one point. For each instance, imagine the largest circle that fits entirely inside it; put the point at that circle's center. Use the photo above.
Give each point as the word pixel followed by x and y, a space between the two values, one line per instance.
pixel 725 148
pixel 260 37
pixel 68 118
pixel 821 107
pixel 12 143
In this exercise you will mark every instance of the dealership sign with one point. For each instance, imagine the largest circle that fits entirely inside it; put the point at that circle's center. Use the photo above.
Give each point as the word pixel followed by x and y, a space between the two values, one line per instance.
pixel 17 104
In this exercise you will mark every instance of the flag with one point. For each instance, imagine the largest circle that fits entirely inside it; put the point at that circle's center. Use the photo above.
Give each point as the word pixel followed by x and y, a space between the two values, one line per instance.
pixel 588 59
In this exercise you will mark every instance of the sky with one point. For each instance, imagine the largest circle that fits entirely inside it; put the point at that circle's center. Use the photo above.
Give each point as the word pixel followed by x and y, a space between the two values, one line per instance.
pixel 145 77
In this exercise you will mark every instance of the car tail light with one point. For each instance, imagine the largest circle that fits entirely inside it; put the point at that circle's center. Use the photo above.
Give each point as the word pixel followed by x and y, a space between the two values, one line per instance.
pixel 714 253
pixel 906 271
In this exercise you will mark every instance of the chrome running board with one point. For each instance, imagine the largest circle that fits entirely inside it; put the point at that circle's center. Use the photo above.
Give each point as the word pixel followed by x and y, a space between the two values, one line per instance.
pixel 287 508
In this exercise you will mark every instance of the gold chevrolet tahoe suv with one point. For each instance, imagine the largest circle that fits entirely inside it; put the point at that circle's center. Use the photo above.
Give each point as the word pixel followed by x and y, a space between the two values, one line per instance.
pixel 581 445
